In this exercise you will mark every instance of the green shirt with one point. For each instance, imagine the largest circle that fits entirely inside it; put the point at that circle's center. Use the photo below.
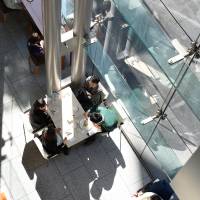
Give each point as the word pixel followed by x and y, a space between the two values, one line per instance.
pixel 110 118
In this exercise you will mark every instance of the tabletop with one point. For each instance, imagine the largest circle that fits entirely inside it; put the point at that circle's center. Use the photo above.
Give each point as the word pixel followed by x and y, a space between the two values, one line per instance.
pixel 67 114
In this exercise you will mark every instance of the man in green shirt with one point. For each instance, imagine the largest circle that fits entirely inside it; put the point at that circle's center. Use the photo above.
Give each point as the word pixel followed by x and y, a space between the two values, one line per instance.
pixel 104 118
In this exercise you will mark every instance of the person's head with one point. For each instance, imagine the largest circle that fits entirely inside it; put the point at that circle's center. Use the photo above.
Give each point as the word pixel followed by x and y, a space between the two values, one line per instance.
pixel 35 37
pixel 94 81
pixel 96 118
pixel 40 104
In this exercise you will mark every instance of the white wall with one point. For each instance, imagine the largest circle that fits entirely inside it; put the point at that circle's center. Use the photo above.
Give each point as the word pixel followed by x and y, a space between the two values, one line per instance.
pixel 186 183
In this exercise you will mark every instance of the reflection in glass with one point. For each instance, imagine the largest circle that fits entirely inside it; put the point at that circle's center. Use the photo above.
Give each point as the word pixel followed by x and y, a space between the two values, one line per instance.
pixel 67 15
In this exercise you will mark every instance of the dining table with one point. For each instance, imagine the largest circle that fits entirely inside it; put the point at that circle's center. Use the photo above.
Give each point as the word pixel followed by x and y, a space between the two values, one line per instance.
pixel 68 114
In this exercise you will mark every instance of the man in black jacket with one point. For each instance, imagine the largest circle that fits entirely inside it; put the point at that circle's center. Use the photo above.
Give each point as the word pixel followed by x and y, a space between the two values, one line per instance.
pixel 90 95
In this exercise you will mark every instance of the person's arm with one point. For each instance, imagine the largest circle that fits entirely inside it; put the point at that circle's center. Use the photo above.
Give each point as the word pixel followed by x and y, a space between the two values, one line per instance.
pixel 86 114
pixel 36 45
pixel 58 130
pixel 42 43
pixel 65 141
pixel 144 188
pixel 144 196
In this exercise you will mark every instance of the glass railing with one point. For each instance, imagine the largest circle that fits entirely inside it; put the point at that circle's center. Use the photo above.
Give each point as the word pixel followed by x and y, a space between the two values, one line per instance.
pixel 150 34
pixel 161 148
pixel 131 54
pixel 189 89
pixel 137 105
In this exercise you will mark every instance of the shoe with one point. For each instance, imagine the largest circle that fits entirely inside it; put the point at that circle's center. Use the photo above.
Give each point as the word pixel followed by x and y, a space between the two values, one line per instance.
pixel 65 151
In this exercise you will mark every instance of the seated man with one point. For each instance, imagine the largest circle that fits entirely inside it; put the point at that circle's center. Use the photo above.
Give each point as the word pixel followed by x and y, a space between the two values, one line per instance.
pixel 53 142
pixel 104 118
pixel 90 95
pixel 38 116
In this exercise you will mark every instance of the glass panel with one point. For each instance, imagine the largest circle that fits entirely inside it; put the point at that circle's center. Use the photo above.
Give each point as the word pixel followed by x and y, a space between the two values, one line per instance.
pixel 189 89
pixel 150 34
pixel 67 15
pixel 158 45
pixel 135 100
pixel 138 106
pixel 67 21
pixel 131 54
pixel 159 145
pixel 185 122
pixel 67 8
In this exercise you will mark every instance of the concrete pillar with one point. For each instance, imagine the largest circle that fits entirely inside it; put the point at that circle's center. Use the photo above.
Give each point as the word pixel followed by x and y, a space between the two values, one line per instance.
pixel 52 43
pixel 82 18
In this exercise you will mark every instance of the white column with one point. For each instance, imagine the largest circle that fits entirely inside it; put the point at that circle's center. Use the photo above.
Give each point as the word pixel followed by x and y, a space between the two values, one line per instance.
pixel 52 26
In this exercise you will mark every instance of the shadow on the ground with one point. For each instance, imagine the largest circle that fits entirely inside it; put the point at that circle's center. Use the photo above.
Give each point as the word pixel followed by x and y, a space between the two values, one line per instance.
pixel 89 176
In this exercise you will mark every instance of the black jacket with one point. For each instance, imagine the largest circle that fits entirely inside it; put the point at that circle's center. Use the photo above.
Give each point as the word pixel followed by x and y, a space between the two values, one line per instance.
pixel 50 145
pixel 39 118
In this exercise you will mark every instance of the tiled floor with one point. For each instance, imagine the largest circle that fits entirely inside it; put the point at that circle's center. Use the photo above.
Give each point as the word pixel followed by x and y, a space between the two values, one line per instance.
pixel 106 169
